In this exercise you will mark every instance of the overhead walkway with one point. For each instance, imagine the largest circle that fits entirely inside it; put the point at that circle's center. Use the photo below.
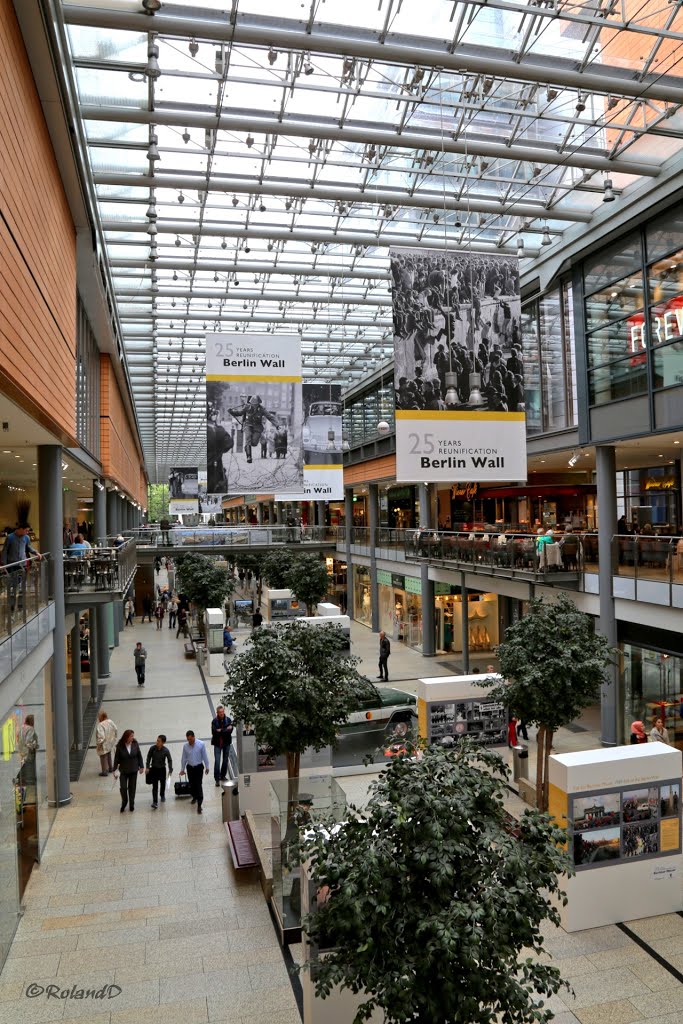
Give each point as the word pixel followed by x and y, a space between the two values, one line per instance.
pixel 213 540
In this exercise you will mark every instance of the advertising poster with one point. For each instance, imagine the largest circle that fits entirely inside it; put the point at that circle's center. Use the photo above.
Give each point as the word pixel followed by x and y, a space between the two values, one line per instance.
pixel 209 504
pixel 254 414
pixel 458 370
pixel 322 444
pixel 183 491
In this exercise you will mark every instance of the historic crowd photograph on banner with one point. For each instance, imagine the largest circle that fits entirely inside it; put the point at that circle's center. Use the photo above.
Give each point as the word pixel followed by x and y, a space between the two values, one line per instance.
pixel 322 444
pixel 183 490
pixel 458 370
pixel 209 504
pixel 254 414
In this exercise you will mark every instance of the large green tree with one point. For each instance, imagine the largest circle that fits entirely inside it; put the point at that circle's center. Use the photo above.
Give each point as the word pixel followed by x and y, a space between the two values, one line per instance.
pixel 308 580
pixel 433 908
pixel 157 502
pixel 295 687
pixel 205 583
pixel 276 567
pixel 553 663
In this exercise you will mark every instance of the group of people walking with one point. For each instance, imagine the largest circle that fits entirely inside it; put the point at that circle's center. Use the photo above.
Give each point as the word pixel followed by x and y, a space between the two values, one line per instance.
pixel 127 762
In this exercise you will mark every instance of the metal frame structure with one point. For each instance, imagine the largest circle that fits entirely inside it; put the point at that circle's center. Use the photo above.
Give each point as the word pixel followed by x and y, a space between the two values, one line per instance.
pixel 252 170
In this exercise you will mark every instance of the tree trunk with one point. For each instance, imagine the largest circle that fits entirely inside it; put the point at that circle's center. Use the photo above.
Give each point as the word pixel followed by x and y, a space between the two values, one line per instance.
pixel 548 747
pixel 293 763
pixel 260 589
pixel 540 740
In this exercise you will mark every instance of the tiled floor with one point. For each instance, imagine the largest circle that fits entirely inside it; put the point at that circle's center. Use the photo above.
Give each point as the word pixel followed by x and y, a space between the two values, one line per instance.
pixel 149 903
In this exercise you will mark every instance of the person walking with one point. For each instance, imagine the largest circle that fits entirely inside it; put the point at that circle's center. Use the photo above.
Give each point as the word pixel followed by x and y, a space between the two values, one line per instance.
pixel 105 739
pixel 159 613
pixel 128 760
pixel 221 741
pixel 129 609
pixel 182 622
pixel 256 619
pixel 195 761
pixel 140 655
pixel 147 608
pixel 384 652
pixel 158 757
pixel 172 612
pixel 28 745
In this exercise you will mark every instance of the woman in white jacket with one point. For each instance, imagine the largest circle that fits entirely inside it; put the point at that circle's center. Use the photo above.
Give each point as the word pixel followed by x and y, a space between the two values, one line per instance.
pixel 105 736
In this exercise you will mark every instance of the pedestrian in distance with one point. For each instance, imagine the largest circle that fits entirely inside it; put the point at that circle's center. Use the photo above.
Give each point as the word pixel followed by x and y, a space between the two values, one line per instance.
pixel 172 612
pixel 128 761
pixel 147 607
pixel 256 619
pixel 182 622
pixel 512 731
pixel 194 762
pixel 140 655
pixel 105 739
pixel 129 609
pixel 158 757
pixel 221 741
pixel 159 613
pixel 384 652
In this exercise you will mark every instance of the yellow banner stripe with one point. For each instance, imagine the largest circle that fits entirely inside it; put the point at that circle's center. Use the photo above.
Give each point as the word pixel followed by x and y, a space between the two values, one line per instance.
pixel 460 414
pixel 331 465
pixel 256 378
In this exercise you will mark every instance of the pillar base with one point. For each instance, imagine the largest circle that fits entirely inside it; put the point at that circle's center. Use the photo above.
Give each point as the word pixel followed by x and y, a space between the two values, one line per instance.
pixel 61 803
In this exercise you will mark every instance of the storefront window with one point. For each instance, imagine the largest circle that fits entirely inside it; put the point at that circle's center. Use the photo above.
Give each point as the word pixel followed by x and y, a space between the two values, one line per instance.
pixel 652 683
pixel 618 380
pixel 549 364
pixel 552 362
pixel 612 264
pixel 651 497
pixel 400 608
pixel 532 363
pixel 362 413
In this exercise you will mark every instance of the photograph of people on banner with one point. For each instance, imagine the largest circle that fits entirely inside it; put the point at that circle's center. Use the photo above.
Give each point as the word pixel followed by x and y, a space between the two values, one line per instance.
pixel 254 414
pixel 458 361
pixel 183 490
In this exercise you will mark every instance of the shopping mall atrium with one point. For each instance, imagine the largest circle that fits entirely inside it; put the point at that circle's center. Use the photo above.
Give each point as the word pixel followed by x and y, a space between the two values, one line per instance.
pixel 395 284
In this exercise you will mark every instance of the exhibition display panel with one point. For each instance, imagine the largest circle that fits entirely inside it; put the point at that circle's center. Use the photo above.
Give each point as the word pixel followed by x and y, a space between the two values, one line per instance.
pixel 622 810
pixel 450 708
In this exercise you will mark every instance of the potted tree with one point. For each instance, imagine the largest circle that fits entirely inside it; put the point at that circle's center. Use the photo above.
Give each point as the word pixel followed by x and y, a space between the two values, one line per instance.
pixel 307 579
pixel 553 663
pixel 294 687
pixel 205 583
pixel 276 566
pixel 432 907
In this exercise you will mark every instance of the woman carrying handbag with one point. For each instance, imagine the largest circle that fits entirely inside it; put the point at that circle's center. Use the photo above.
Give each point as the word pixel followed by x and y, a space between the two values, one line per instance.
pixel 128 759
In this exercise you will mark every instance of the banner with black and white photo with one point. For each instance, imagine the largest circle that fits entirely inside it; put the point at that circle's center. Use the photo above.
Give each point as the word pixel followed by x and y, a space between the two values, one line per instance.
pixel 209 504
pixel 322 443
pixel 254 414
pixel 183 491
pixel 458 370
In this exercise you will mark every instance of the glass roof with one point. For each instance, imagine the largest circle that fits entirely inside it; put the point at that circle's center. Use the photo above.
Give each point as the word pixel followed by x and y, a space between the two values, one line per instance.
pixel 252 170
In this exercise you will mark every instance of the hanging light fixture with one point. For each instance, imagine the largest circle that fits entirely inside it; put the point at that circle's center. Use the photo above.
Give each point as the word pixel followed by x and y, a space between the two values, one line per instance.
pixel 181 198
pixel 609 195
pixel 151 213
pixel 186 136
pixel 152 69
pixel 153 151
pixel 520 247
pixel 272 56
pixel 193 47
pixel 546 240
pixel 451 396
pixel 249 141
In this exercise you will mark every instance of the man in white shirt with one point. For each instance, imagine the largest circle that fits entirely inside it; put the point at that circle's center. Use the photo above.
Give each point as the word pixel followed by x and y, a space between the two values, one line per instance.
pixel 194 758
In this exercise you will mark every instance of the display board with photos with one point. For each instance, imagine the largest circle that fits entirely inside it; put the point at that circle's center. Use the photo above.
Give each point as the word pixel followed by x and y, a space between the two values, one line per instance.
pixel 477 718
pixel 619 825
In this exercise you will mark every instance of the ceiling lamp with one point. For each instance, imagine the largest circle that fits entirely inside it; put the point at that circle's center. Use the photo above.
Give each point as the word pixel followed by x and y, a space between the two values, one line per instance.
pixel 451 396
pixel 476 397
pixel 178 242
pixel 551 94
pixel 186 136
pixel 151 213
pixel 546 240
pixel 580 103
pixel 152 70
pixel 262 208
pixel 288 204
pixel 250 142
pixel 153 253
pixel 272 56
pixel 181 198
pixel 235 200
pixel 520 247
pixel 573 460
pixel 224 244
pixel 383 427
pixel 609 195
pixel 153 152
pixel 308 67
pixel 151 6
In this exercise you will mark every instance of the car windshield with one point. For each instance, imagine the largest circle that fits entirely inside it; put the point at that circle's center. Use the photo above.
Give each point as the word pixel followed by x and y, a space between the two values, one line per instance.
pixel 325 409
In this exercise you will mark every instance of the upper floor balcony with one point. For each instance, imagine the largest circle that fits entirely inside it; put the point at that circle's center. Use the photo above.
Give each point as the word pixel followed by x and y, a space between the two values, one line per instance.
pixel 99 573
pixel 26 613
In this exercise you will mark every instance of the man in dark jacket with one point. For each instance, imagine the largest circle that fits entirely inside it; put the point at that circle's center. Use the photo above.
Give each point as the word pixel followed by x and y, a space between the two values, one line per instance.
pixel 157 758
pixel 128 761
pixel 384 652
pixel 140 655
pixel 221 739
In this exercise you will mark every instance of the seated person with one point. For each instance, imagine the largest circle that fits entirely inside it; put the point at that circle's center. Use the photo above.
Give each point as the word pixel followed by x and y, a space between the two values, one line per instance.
pixel 79 547
pixel 228 641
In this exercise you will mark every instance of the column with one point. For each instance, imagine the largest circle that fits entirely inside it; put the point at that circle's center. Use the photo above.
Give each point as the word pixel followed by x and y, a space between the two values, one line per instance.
pixel 373 523
pixel 76 693
pixel 321 508
pixel 606 479
pixel 272 515
pixel 94 655
pixel 348 524
pixel 50 525
pixel 465 627
pixel 259 513
pixel 100 619
pixel 112 531
pixel 427 585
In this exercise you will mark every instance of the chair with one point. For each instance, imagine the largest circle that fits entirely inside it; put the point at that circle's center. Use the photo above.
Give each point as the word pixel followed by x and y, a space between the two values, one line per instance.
pixel 570 551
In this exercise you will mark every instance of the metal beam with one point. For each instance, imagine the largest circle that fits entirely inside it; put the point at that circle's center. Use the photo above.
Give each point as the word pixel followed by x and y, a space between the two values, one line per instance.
pixel 370 197
pixel 365 239
pixel 324 298
pixel 365 133
pixel 260 318
pixel 222 267
pixel 263 31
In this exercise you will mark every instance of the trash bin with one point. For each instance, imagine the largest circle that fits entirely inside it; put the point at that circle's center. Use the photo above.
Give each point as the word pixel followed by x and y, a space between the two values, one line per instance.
pixel 520 762
pixel 230 800
pixel 201 655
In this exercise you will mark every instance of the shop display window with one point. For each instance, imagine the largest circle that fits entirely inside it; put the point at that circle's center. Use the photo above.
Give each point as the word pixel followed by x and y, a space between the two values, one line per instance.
pixel 549 362
pixel 362 607
pixel 614 263
pixel 618 380
pixel 664 234
pixel 653 688
pixel 618 300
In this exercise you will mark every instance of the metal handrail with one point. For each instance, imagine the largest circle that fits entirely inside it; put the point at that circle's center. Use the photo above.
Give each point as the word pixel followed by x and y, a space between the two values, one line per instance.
pixel 24 591
pixel 488 549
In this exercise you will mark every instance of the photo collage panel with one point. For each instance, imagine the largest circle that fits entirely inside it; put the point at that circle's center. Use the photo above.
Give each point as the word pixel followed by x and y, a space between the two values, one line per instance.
pixel 626 823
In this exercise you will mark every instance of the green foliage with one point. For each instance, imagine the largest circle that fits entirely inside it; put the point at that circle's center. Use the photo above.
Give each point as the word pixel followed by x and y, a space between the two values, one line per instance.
pixel 307 579
pixel 250 561
pixel 276 566
pixel 294 687
pixel 434 908
pixel 554 664
pixel 157 502
pixel 203 581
